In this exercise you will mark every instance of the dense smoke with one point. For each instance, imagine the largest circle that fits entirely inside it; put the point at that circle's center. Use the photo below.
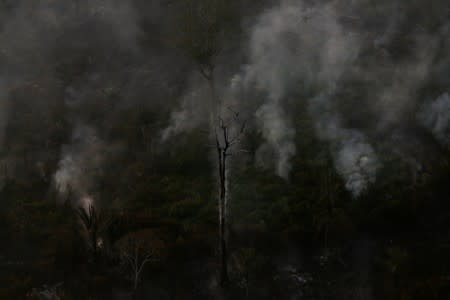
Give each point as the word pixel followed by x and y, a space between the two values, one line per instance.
pixel 436 117
pixel 354 158
pixel 37 37
pixel 348 69
pixel 193 111
pixel 135 108
pixel 312 55
pixel 80 163
pixel 292 47
pixel 296 46
pixel 279 136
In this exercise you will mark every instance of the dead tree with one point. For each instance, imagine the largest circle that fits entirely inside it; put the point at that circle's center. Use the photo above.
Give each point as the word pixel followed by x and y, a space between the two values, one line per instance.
pixel 136 250
pixel 93 224
pixel 224 143
pixel 225 139
pixel 136 261
pixel 203 24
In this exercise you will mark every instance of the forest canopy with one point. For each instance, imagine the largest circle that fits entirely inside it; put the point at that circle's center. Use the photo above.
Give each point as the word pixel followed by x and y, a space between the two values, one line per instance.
pixel 212 149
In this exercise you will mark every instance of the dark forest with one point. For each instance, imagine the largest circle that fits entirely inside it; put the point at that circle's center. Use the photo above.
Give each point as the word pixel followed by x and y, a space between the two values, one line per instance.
pixel 224 149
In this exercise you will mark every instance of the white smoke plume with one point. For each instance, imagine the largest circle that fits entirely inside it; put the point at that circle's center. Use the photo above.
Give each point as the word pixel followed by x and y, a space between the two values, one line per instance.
pixel 354 158
pixel 436 117
pixel 81 161
pixel 279 136
pixel 294 46
pixel 318 50
pixel 356 162
pixel 397 85
pixel 193 111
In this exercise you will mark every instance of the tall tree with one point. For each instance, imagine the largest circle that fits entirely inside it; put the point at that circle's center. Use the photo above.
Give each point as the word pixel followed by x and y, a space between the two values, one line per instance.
pixel 205 24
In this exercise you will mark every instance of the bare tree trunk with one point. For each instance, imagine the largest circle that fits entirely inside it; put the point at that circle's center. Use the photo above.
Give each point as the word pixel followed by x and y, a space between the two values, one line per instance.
pixel 222 155
pixel 222 149
pixel 223 145
pixel 137 262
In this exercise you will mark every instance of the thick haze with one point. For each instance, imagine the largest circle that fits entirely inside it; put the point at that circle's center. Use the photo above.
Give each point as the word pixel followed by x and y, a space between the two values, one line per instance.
pixel 82 64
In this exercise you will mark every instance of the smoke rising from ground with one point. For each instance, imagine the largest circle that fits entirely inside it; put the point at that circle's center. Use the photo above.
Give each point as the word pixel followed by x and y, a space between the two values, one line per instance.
pixel 313 54
pixel 37 39
pixel 317 49
pixel 96 97
pixel 193 110
pixel 293 47
pixel 279 136
pixel 345 62
pixel 354 158
pixel 80 162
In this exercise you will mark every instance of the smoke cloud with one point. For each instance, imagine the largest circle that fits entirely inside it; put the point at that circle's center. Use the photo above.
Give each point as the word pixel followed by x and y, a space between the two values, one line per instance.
pixel 309 53
pixel 194 109
pixel 279 136
pixel 436 117
pixel 360 81
pixel 294 46
pixel 354 158
pixel 358 70
pixel 80 163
